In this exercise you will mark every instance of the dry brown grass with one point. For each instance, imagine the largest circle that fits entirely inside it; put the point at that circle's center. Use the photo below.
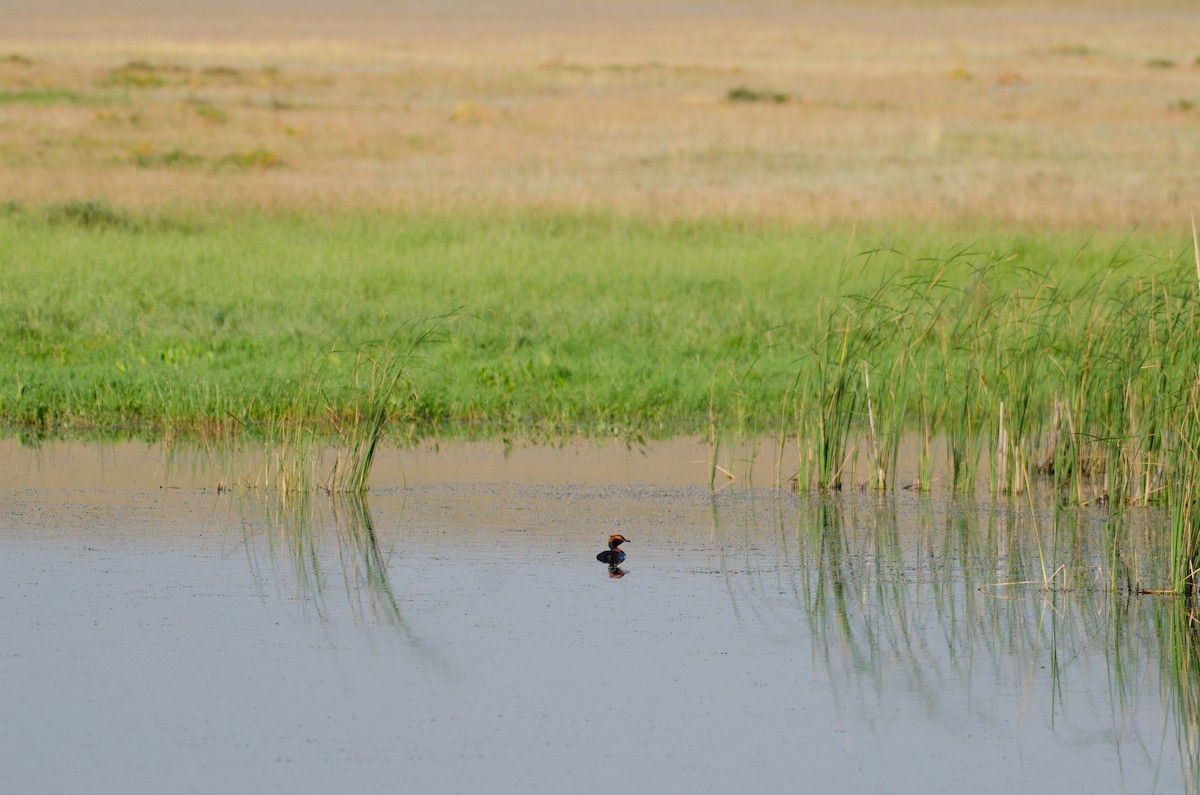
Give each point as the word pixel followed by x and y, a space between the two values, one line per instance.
pixel 1088 114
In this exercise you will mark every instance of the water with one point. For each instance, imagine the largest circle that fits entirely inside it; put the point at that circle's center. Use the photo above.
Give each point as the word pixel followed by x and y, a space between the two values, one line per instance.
pixel 455 633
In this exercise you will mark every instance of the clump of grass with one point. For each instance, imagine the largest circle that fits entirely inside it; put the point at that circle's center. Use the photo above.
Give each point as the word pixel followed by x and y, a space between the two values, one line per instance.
pixel 91 214
pixel 747 94
pixel 253 159
pixel 114 118
pixel 211 113
pixel 1072 50
pixel 17 59
pixel 144 156
pixel 381 374
pixel 1161 63
pixel 293 441
pixel 139 74
pixel 298 432
pixel 222 72
pixel 838 394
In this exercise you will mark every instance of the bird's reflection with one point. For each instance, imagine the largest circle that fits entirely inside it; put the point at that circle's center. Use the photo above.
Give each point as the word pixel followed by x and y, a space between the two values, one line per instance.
pixel 615 571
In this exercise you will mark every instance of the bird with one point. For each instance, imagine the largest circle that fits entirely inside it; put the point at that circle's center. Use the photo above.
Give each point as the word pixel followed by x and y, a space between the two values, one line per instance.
pixel 612 555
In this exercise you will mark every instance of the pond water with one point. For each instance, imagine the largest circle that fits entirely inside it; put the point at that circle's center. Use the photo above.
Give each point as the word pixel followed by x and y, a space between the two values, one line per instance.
pixel 454 632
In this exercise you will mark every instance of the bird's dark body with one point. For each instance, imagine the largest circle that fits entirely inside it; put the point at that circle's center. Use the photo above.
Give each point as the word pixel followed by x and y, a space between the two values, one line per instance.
pixel 612 556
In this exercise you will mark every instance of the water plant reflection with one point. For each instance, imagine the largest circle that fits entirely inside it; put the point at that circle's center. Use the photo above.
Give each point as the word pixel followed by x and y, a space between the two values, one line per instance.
pixel 298 534
pixel 956 601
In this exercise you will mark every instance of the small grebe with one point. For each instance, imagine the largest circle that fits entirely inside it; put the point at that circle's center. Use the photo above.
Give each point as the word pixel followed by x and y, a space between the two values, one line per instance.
pixel 612 555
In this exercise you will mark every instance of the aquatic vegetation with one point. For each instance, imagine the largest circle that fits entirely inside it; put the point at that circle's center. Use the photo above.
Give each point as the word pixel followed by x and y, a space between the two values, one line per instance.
pixel 1091 387
pixel 296 436
pixel 381 373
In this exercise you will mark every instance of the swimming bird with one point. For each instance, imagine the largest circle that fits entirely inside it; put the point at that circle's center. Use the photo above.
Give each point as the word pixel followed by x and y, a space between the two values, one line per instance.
pixel 612 555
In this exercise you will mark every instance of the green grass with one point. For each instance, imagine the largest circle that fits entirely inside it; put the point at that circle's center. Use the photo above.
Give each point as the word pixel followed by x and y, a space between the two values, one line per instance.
pixel 593 325
pixel 745 94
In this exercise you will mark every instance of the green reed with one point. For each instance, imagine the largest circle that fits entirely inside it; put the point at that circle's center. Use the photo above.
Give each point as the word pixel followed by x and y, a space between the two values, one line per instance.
pixel 321 415
pixel 292 441
pixel 1183 497
pixel 381 375
pixel 1085 386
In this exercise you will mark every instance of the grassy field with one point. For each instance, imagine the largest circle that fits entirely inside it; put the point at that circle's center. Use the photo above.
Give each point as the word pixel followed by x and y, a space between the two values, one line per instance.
pixel 556 324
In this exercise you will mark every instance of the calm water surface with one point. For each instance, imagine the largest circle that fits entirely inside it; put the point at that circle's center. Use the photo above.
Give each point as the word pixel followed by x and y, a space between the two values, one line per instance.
pixel 454 633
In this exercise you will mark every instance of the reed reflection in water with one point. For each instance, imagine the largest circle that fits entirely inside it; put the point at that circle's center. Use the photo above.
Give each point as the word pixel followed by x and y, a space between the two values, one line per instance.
pixel 1011 614
pixel 323 540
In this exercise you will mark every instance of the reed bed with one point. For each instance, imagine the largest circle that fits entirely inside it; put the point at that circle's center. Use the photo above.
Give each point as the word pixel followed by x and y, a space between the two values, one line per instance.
pixel 1090 390
pixel 296 436
pixel 380 378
